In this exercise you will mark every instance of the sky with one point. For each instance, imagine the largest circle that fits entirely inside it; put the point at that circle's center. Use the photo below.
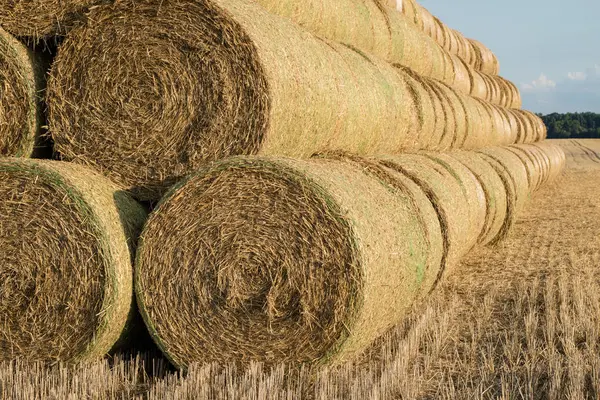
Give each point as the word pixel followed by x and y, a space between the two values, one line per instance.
pixel 550 49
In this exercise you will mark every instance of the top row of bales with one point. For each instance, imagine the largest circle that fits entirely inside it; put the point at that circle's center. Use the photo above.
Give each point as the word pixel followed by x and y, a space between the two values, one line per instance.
pixel 147 97
pixel 366 25
pixel 473 52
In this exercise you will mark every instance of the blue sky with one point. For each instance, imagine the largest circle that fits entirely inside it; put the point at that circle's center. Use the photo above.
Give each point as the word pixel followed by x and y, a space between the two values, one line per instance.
pixel 550 49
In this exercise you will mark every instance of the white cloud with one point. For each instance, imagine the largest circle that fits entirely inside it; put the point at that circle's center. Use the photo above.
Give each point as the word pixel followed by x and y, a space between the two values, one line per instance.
pixel 540 84
pixel 577 76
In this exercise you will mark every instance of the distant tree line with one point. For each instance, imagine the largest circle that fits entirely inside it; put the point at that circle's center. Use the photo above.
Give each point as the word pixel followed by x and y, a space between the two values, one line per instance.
pixel 572 125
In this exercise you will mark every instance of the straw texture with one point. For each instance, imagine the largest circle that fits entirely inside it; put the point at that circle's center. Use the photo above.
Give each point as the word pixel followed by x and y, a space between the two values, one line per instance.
pixel 21 80
pixel 67 237
pixel 179 100
pixel 43 18
pixel 283 260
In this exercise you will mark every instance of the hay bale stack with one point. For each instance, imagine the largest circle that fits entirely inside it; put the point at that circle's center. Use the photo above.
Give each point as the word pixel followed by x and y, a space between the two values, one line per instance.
pixel 495 194
pixel 43 18
pixel 379 29
pixel 514 177
pixel 283 260
pixel 472 191
pixel 448 195
pixel 181 100
pixel 534 164
pixel 21 80
pixel 487 62
pixel 67 240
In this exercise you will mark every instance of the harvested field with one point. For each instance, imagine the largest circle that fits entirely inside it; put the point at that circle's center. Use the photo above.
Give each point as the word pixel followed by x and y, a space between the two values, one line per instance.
pixel 519 320
pixel 67 237
pixel 22 80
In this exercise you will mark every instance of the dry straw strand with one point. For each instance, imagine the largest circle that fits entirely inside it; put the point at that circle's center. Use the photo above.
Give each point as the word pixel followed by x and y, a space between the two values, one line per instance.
pixel 67 236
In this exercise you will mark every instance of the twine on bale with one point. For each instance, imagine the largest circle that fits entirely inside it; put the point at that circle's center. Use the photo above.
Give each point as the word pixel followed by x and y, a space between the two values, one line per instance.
pixel 279 260
pixel 180 99
pixel 67 237
pixel 21 82
pixel 43 18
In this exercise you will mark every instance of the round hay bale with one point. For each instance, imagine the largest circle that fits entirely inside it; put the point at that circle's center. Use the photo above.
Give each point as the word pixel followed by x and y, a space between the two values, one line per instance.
pixel 449 131
pixel 424 109
pixel 528 133
pixel 487 63
pixel 68 237
pixel 410 9
pixel 180 99
pixel 280 260
pixel 21 80
pixel 43 18
pixel 495 195
pixel 479 87
pixel 439 115
pixel 472 191
pixel 516 95
pixel 473 122
pixel 533 164
pixel 504 129
pixel 462 78
pixel 445 193
pixel 514 177
pixel 460 118
pixel 511 125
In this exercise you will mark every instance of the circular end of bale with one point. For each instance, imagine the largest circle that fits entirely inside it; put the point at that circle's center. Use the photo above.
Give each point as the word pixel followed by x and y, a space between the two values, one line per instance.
pixel 65 266
pixel 20 108
pixel 161 97
pixel 277 260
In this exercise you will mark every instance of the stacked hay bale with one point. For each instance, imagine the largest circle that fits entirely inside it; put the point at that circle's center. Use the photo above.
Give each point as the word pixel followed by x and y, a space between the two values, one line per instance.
pixel 291 103
pixel 267 258
pixel 251 249
pixel 43 18
pixel 375 28
pixel 67 237
pixel 473 52
pixel 21 82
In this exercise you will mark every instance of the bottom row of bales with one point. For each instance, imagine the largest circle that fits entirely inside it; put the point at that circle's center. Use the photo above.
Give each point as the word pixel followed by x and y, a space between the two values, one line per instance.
pixel 267 259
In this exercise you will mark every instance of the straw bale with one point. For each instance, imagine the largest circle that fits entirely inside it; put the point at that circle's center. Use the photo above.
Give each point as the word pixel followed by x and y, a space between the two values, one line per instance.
pixel 472 190
pixel 514 177
pixel 43 18
pixel 67 237
pixel 495 195
pixel 461 119
pixel 462 78
pixel 446 194
pixel 276 260
pixel 165 95
pixel 447 117
pixel 21 80
pixel 534 165
pixel 425 110
pixel 479 87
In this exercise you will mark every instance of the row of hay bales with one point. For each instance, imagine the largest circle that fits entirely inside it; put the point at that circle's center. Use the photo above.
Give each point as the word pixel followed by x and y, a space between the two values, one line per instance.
pixel 379 30
pixel 147 97
pixel 249 258
pixel 366 25
pixel 473 52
